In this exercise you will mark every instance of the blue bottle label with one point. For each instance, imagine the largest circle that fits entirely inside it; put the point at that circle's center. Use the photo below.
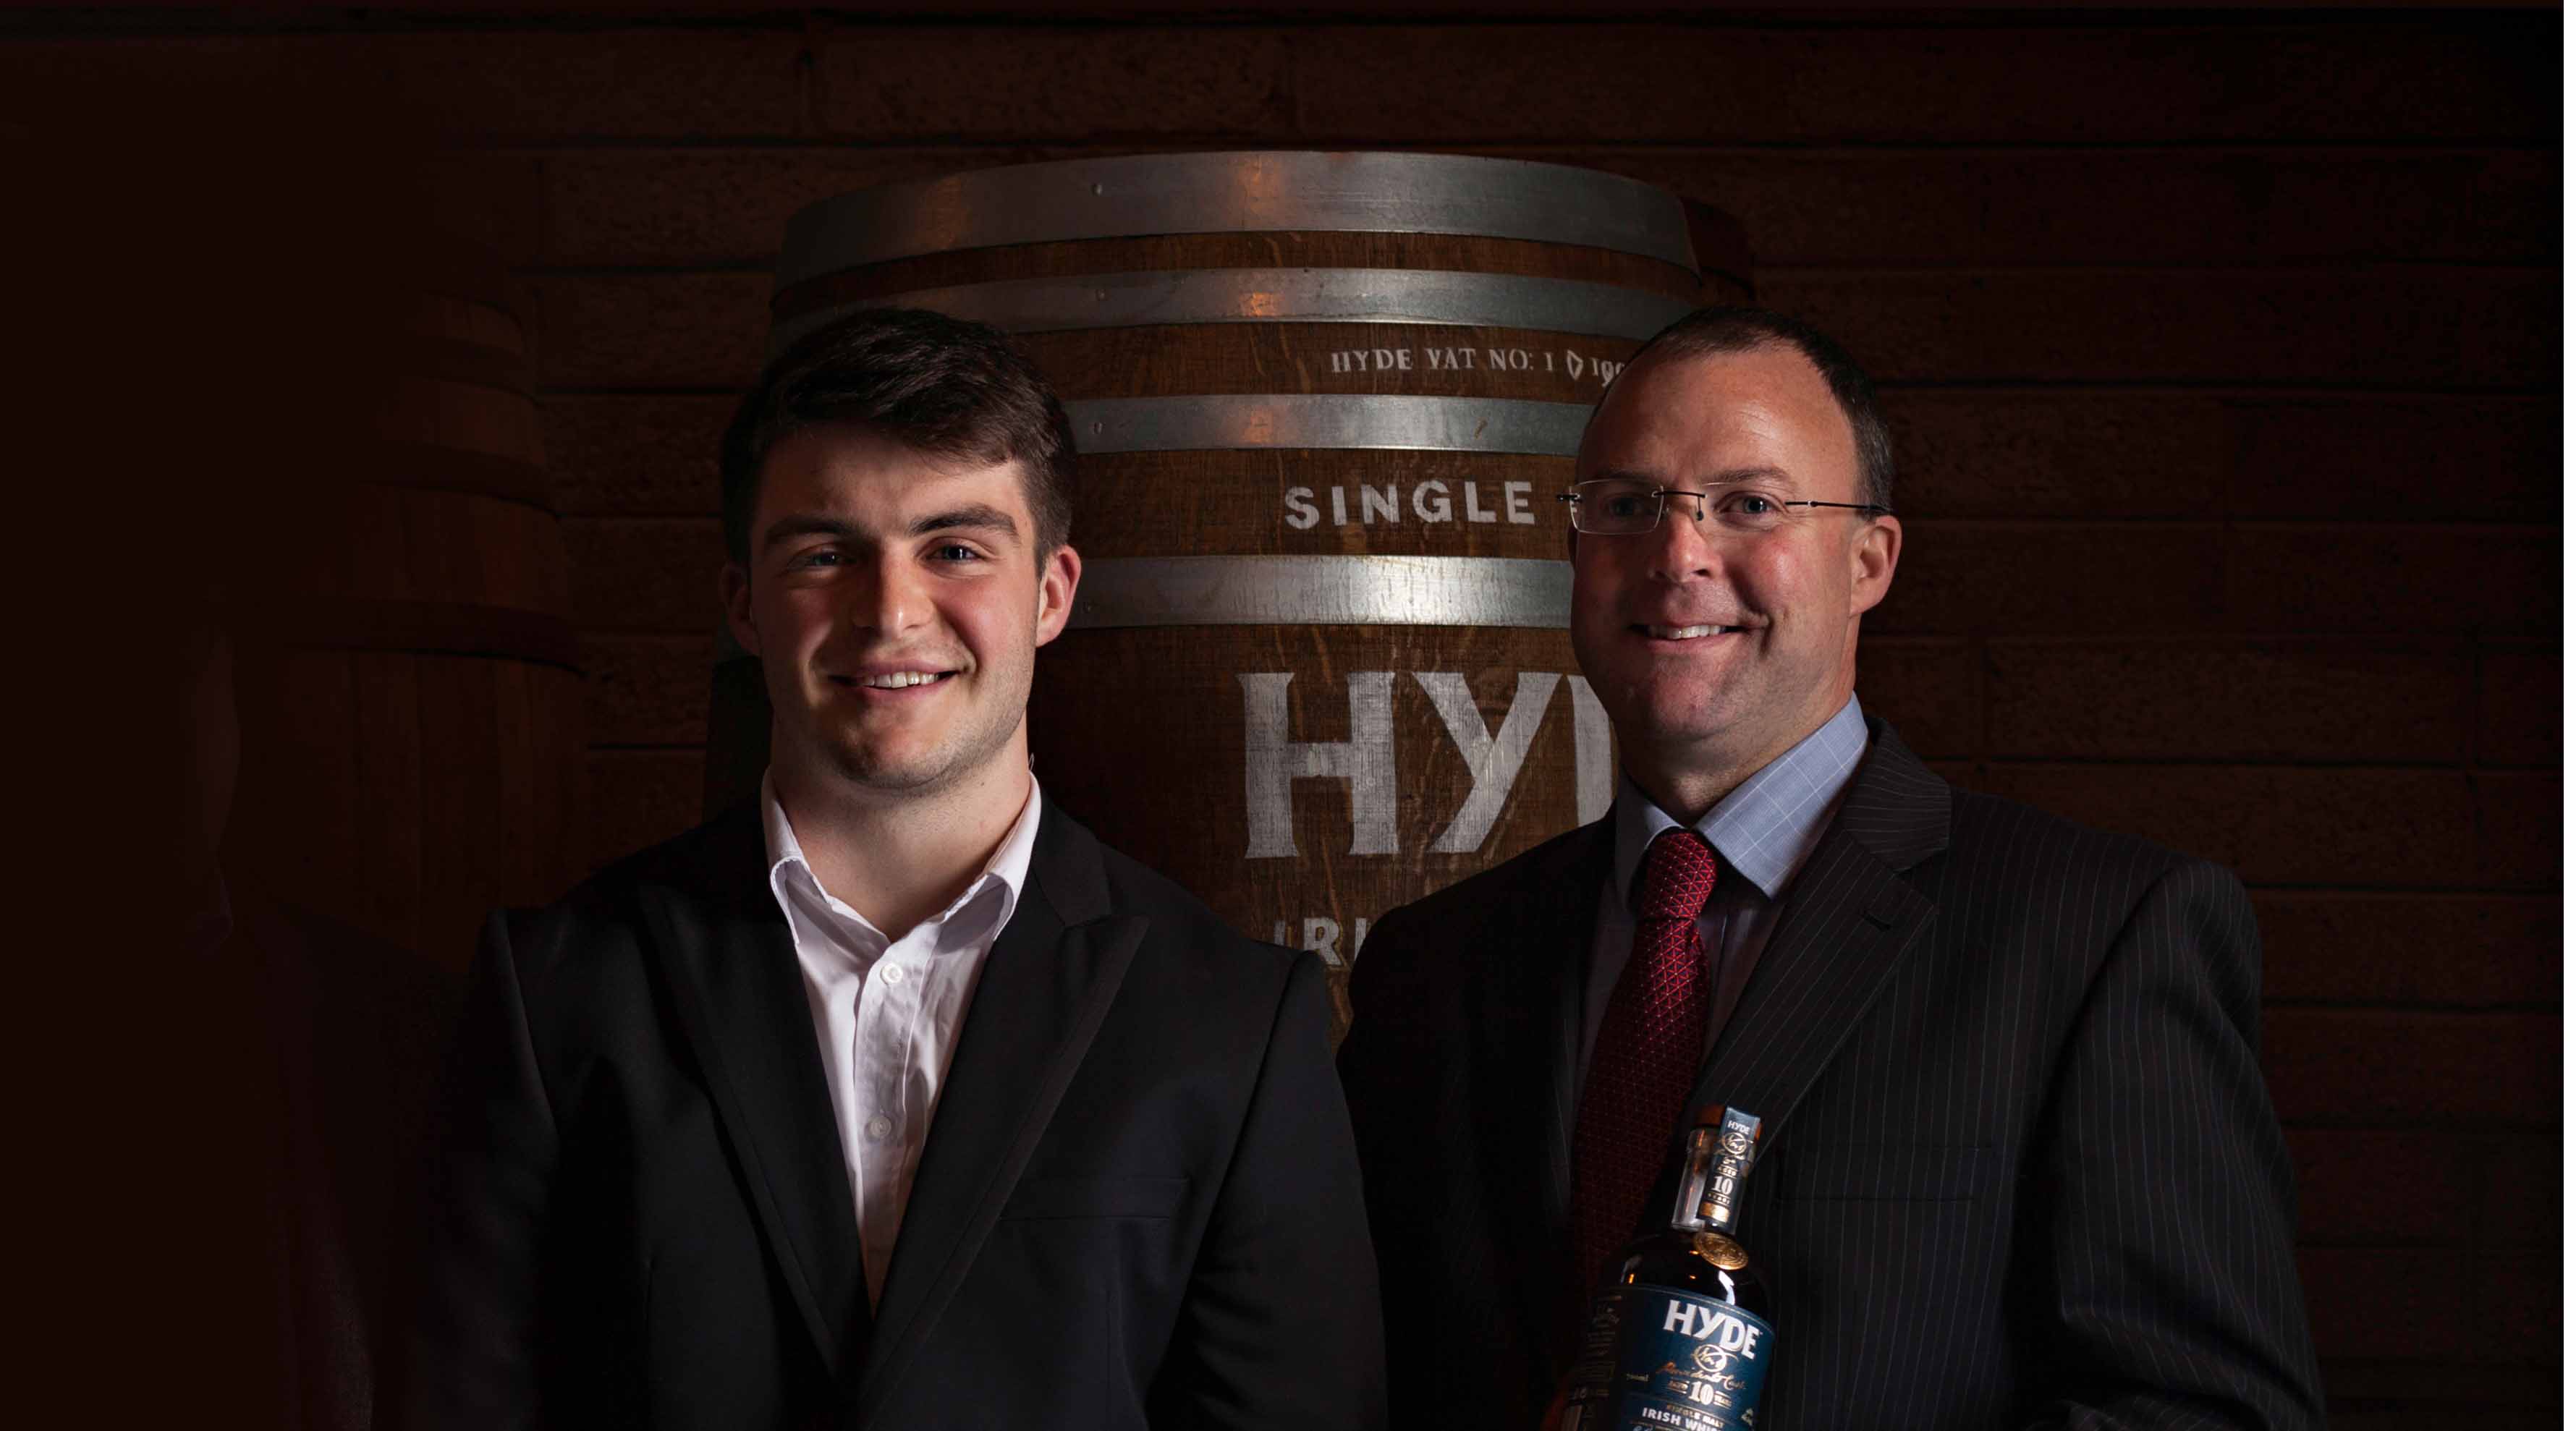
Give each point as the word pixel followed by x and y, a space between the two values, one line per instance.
pixel 1661 1359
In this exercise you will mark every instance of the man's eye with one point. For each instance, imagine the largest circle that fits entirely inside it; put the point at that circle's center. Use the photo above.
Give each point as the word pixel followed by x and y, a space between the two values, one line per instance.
pixel 817 558
pixel 1623 504
pixel 955 551
pixel 1752 504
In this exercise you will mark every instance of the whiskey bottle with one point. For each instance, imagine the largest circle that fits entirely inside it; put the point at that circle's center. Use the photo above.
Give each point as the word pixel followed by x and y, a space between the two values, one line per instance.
pixel 1678 1337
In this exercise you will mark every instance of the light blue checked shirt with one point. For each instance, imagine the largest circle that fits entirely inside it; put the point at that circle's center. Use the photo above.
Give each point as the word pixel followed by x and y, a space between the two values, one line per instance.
pixel 1763 831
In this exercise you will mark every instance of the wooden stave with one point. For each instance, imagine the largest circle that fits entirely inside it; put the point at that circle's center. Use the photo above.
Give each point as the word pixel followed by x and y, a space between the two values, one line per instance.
pixel 1087 258
pixel 1232 192
pixel 418 687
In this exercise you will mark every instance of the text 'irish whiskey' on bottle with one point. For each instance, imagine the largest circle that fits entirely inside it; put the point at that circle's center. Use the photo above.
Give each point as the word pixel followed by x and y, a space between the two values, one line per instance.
pixel 1678 1337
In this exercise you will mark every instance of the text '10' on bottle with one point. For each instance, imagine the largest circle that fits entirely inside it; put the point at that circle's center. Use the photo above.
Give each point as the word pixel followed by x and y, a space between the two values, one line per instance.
pixel 1678 1337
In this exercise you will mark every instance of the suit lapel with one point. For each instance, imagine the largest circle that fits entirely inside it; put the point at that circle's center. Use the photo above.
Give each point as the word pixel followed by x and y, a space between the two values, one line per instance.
pixel 1043 993
pixel 1848 920
pixel 1539 943
pixel 730 961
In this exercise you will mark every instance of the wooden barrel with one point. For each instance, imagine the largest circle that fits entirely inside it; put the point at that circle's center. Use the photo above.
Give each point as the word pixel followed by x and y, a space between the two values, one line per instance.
pixel 1325 403
pixel 413 723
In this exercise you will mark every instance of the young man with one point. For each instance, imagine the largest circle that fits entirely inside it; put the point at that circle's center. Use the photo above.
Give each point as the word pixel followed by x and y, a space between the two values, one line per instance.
pixel 2017 1165
pixel 896 1099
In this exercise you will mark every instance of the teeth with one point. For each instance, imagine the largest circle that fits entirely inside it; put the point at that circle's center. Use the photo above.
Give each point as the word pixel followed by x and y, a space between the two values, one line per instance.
pixel 1684 633
pixel 897 680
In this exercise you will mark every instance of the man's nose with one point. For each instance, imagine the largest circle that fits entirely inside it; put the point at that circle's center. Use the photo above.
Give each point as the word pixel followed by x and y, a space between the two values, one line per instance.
pixel 1680 546
pixel 888 595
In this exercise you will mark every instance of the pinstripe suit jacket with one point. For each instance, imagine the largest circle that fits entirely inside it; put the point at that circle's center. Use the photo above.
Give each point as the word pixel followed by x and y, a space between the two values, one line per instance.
pixel 2018 1167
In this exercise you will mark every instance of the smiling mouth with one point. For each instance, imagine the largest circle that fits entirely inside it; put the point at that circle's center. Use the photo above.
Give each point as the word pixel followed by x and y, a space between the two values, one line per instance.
pixel 893 680
pixel 1686 633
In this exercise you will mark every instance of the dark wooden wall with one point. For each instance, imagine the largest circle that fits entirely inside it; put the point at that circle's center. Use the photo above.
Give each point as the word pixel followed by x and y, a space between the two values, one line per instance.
pixel 2222 349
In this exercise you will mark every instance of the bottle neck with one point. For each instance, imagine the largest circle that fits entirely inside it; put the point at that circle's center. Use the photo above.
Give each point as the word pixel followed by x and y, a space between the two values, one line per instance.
pixel 1715 1162
pixel 1699 1153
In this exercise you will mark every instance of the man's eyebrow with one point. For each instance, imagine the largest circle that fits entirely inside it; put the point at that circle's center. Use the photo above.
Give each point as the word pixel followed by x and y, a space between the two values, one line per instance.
pixel 974 515
pixel 1734 476
pixel 806 524
pixel 1730 477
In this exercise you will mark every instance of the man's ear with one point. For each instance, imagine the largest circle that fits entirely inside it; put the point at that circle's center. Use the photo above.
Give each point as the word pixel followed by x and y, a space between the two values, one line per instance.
pixel 733 592
pixel 1873 557
pixel 1058 576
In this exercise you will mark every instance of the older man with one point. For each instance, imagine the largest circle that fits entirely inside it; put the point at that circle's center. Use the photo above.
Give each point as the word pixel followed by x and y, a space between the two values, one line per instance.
pixel 2018 1166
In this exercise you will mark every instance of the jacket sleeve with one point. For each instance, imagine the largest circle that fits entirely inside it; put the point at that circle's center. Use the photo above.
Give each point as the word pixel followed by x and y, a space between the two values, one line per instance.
pixel 2165 1250
pixel 1456 1254
pixel 472 1359
pixel 1393 1074
pixel 1280 1325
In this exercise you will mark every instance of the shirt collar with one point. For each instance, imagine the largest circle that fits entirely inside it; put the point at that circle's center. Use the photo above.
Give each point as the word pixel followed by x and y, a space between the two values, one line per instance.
pixel 1008 868
pixel 1765 827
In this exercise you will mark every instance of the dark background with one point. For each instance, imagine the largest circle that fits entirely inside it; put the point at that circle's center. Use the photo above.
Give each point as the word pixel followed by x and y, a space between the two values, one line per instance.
pixel 2222 350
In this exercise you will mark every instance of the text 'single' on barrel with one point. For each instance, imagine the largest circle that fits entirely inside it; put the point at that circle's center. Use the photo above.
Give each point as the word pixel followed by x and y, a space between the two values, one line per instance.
pixel 1324 403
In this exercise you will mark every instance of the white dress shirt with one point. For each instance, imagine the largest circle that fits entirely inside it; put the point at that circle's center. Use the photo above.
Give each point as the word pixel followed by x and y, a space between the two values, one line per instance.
pixel 1762 831
pixel 886 1011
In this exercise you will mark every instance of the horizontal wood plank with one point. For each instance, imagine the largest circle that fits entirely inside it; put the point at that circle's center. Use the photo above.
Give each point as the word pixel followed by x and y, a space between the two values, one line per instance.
pixel 2428 950
pixel 2394 829
pixel 2344 1067
pixel 2181 82
pixel 2350 699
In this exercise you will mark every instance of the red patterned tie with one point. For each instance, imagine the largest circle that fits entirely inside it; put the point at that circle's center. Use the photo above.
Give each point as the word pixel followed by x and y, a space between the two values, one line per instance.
pixel 1647 1053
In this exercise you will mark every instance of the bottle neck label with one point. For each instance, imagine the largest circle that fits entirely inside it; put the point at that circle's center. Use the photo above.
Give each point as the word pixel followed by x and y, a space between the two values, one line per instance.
pixel 1730 1162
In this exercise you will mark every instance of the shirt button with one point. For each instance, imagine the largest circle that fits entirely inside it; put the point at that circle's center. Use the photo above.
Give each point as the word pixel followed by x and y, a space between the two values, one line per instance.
pixel 880 1127
pixel 894 973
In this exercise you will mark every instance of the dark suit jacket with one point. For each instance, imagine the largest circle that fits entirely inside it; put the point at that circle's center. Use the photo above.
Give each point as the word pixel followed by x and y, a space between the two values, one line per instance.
pixel 1138 1200
pixel 2018 1166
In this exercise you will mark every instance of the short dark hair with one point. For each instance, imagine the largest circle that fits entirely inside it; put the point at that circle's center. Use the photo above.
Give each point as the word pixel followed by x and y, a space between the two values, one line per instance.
pixel 1739 328
pixel 939 385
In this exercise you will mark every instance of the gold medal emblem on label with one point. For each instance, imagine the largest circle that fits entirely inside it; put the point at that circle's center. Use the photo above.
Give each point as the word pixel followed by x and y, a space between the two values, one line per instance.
pixel 1719 1250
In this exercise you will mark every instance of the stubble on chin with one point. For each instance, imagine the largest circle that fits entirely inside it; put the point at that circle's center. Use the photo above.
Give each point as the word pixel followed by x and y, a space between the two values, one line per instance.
pixel 863 769
pixel 1676 725
pixel 861 762
pixel 955 752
